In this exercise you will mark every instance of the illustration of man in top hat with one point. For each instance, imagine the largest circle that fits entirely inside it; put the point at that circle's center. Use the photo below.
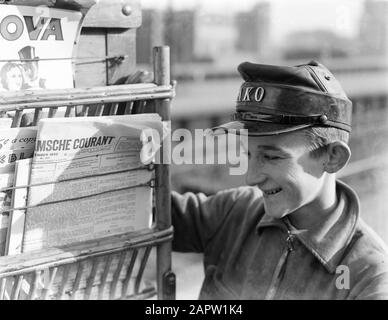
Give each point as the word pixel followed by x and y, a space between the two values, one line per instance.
pixel 31 68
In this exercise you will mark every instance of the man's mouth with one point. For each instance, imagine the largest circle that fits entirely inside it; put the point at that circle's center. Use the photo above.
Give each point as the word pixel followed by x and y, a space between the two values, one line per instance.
pixel 272 191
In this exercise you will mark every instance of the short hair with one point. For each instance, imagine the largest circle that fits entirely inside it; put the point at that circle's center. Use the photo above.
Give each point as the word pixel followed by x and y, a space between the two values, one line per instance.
pixel 320 137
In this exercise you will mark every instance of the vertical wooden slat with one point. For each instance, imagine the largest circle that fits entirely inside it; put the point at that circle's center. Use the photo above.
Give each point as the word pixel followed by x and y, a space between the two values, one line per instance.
pixel 34 285
pixel 77 280
pixel 104 277
pixel 116 275
pixel 37 116
pixel 85 111
pixel 143 264
pixel 65 277
pixel 47 286
pixel 128 107
pixel 139 107
pixel 162 176
pixel 3 283
pixel 124 289
pixel 16 287
pixel 68 111
pixel 25 287
pixel 113 109
pixel 17 119
pixel 90 281
pixel 52 112
pixel 99 110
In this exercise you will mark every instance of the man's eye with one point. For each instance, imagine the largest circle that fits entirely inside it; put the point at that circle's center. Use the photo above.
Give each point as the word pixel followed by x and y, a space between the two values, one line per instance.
pixel 268 157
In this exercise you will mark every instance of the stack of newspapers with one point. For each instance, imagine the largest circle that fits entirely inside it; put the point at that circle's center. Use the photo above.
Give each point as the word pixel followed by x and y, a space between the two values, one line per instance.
pixel 76 179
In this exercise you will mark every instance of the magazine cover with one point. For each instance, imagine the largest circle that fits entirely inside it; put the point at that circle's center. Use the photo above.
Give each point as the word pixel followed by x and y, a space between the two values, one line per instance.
pixel 15 144
pixel 36 47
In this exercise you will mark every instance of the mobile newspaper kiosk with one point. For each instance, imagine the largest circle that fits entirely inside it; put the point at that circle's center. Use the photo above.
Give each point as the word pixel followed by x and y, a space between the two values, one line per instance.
pixel 65 58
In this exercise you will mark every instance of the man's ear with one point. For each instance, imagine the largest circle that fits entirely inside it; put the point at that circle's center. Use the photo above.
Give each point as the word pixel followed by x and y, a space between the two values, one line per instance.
pixel 338 155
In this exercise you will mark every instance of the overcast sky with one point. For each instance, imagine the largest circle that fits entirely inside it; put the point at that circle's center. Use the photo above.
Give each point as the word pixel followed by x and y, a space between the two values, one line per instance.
pixel 341 16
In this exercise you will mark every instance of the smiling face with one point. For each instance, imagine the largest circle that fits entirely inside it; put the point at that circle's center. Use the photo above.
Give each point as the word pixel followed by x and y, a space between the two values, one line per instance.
pixel 14 79
pixel 282 168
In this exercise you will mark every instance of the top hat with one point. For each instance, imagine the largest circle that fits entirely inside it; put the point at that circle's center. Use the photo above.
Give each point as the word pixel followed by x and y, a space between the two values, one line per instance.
pixel 280 99
pixel 27 53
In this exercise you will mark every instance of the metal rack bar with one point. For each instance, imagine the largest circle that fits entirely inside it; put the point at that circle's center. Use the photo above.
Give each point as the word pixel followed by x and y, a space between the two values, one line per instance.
pixel 128 274
pixel 91 278
pixel 116 275
pixel 104 276
pixel 65 277
pixel 143 263
pixel 52 257
pixel 166 290
pixel 77 280
pixel 73 97
pixel 113 250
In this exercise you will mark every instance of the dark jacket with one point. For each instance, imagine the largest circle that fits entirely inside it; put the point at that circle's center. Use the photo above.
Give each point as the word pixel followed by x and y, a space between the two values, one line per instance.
pixel 248 255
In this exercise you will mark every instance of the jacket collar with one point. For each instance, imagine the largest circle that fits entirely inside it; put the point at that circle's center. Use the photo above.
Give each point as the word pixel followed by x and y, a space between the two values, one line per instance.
pixel 329 240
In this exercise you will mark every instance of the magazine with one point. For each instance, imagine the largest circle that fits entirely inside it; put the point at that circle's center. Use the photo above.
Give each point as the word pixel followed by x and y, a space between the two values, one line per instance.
pixel 15 144
pixel 37 45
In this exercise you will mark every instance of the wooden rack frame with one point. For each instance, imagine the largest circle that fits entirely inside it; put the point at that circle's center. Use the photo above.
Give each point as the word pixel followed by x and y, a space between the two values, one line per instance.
pixel 113 267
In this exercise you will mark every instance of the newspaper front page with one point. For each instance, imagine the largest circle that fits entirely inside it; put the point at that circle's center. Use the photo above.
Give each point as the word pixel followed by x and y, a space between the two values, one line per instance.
pixel 15 144
pixel 37 46
pixel 109 147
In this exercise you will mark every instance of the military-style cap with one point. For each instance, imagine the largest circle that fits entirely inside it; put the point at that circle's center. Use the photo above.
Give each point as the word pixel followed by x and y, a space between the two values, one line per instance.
pixel 278 99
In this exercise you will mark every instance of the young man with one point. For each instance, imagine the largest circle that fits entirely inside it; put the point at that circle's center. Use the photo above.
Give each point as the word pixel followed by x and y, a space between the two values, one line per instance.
pixel 296 231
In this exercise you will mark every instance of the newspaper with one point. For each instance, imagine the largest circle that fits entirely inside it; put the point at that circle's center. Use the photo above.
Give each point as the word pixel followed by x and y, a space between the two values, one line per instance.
pixel 37 46
pixel 15 144
pixel 71 148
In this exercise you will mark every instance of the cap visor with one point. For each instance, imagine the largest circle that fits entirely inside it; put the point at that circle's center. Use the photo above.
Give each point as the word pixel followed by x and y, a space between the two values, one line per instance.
pixel 254 128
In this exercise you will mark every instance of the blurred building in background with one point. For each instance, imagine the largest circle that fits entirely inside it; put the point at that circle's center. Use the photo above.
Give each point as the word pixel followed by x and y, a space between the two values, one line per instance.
pixel 253 29
pixel 215 36
pixel 373 38
pixel 150 34
pixel 176 29
pixel 200 37
pixel 179 34
pixel 317 44
pixel 197 36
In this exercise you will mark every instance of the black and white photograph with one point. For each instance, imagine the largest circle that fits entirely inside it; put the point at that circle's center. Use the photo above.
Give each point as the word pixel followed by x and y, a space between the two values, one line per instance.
pixel 181 151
